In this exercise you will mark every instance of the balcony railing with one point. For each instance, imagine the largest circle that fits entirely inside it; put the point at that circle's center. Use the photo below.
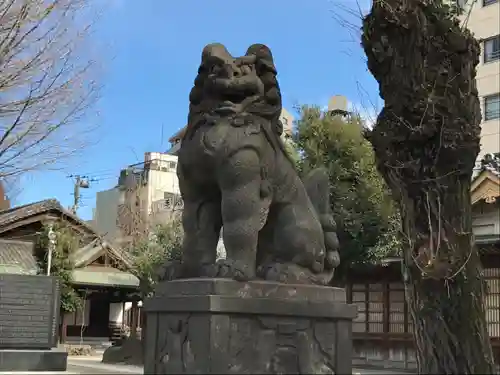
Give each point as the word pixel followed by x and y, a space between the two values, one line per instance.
pixel 174 203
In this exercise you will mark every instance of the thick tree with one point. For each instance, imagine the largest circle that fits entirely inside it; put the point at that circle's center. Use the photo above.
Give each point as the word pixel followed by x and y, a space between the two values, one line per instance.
pixel 362 207
pixel 426 141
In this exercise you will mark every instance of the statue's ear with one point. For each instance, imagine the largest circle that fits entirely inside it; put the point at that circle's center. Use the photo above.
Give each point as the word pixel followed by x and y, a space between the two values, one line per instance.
pixel 263 55
pixel 214 52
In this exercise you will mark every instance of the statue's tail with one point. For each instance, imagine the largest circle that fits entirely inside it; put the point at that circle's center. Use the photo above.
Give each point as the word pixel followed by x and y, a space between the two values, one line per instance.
pixel 317 186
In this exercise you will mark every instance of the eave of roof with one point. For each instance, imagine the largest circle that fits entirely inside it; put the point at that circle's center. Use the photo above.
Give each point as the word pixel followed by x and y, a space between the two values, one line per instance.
pixel 19 213
pixel 485 187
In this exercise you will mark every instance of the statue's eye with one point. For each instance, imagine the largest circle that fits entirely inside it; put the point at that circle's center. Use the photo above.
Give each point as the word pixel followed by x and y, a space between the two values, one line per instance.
pixel 260 68
pixel 214 69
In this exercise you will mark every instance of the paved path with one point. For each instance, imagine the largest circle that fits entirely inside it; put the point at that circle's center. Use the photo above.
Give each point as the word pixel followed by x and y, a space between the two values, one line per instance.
pixel 93 365
pixel 86 365
pixel 378 372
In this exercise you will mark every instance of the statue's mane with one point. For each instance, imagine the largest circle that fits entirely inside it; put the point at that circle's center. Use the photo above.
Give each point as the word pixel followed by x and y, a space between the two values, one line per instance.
pixel 268 106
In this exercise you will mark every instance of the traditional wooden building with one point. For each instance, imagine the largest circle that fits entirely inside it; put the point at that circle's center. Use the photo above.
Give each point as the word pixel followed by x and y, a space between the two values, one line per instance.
pixel 100 272
pixel 382 331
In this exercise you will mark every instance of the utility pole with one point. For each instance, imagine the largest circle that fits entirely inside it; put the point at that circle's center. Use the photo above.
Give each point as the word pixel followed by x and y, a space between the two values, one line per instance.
pixel 81 182
pixel 52 245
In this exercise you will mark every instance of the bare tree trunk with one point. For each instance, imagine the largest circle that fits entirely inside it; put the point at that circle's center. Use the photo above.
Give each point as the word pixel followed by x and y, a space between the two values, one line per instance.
pixel 426 141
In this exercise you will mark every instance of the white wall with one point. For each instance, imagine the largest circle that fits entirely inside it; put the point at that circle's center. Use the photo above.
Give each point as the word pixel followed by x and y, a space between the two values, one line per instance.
pixel 116 312
pixel 161 181
pixel 287 121
pixel 106 213
pixel 486 219
pixel 484 22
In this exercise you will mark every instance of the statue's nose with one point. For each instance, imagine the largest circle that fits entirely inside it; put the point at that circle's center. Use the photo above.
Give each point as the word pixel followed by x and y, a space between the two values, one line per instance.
pixel 232 70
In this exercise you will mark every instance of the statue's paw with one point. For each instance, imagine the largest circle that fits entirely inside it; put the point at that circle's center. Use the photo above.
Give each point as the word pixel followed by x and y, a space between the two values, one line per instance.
pixel 171 270
pixel 291 273
pixel 230 269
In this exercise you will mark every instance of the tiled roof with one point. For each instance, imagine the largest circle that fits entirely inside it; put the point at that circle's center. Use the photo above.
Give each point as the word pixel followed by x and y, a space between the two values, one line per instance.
pixel 478 171
pixel 86 253
pixel 22 212
pixel 20 253
pixel 493 170
pixel 17 257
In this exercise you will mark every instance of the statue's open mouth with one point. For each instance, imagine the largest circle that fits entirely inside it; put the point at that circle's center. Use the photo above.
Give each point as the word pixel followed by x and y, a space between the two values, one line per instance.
pixel 234 98
pixel 237 93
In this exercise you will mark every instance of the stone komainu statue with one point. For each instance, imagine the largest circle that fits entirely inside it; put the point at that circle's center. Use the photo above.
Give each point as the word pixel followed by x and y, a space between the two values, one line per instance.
pixel 234 172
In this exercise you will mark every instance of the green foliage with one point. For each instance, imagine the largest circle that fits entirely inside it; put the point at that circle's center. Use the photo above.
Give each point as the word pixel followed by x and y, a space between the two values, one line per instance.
pixel 164 244
pixel 66 243
pixel 368 223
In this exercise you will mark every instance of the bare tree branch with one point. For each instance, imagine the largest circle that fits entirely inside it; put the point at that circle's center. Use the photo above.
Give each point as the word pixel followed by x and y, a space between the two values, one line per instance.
pixel 46 83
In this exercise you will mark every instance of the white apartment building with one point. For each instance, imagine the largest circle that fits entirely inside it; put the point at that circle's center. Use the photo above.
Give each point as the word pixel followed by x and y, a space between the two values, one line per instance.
pixel 482 17
pixel 152 183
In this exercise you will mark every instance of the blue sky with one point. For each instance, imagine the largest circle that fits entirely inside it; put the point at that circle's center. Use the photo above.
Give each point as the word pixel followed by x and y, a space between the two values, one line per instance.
pixel 150 51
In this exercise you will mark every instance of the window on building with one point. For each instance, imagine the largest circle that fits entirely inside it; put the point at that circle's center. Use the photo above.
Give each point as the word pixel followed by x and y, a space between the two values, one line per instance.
pixel 492 107
pixel 359 298
pixel 492 300
pixel 489 2
pixel 492 49
pixel 375 308
pixel 397 308
pixel 172 164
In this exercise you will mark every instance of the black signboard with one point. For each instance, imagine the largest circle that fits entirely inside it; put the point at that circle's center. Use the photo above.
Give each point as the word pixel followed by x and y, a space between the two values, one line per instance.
pixel 29 311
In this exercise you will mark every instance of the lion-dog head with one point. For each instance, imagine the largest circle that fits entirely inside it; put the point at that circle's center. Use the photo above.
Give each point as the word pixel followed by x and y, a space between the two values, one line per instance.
pixel 231 86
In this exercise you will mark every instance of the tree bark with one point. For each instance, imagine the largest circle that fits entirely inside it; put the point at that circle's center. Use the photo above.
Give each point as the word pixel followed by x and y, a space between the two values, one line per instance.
pixel 426 141
pixel 445 293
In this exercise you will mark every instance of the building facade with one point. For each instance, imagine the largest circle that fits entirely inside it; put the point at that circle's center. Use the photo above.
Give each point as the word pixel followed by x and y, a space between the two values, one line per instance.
pixel 146 194
pixel 105 215
pixel 482 17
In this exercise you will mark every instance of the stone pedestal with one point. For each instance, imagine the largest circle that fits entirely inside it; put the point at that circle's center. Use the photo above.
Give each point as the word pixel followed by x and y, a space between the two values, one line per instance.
pixel 218 326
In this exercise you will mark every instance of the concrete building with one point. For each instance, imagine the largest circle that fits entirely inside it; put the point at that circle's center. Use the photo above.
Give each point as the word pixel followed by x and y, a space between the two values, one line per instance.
pixel 105 214
pixel 146 193
pixel 287 120
pixel 482 17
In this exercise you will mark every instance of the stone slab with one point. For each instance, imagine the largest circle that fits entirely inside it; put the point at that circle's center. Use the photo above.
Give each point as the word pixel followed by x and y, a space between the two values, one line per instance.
pixel 29 311
pixel 253 289
pixel 219 326
pixel 33 360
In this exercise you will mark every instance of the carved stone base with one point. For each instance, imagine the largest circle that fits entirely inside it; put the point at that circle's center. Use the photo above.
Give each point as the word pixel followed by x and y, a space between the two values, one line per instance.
pixel 219 326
